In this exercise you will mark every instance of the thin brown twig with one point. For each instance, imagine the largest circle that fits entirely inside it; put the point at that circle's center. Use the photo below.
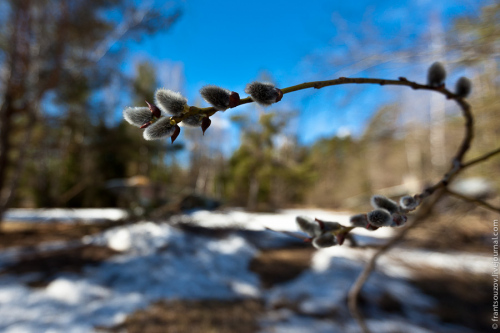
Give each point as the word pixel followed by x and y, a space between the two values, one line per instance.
pixel 209 111
pixel 478 202
pixel 481 158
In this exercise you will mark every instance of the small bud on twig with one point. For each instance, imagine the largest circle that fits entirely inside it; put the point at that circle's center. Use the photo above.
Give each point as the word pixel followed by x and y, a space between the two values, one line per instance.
pixel 398 219
pixel 177 130
pixel 379 201
pixel 379 218
pixel 146 124
pixel 234 99
pixel 436 75
pixel 155 111
pixel 205 123
pixel 341 238
pixel 463 87
pixel 264 93
pixel 170 102
pixel 137 116
pixel 163 128
pixel 371 227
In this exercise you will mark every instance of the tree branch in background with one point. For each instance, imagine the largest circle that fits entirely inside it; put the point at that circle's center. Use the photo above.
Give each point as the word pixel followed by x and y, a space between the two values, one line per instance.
pixel 478 202
pixel 481 158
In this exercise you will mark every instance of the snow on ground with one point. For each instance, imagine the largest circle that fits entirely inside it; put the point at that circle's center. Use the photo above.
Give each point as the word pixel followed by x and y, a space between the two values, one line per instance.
pixel 159 261
pixel 85 215
pixel 322 290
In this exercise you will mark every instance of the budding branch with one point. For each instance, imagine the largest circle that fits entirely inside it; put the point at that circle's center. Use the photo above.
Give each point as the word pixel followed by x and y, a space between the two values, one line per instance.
pixel 457 165
pixel 440 187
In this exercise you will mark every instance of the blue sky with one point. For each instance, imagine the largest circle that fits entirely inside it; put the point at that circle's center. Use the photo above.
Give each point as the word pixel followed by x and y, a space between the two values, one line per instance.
pixel 231 43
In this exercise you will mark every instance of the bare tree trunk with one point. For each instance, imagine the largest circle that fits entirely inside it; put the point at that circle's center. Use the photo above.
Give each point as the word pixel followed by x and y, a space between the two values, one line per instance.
pixel 19 167
pixel 5 144
pixel 14 91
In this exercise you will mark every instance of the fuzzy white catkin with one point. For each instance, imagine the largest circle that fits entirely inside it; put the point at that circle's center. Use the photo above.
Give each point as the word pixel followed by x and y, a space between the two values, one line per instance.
pixel 359 220
pixel 408 202
pixel 463 87
pixel 379 201
pixel 436 74
pixel 330 226
pixel 216 96
pixel 324 240
pixel 170 101
pixel 308 225
pixel 379 218
pixel 159 130
pixel 137 116
pixel 263 93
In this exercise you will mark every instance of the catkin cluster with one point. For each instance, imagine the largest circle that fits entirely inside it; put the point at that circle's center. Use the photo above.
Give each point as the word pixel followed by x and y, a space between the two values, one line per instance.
pixel 386 213
pixel 321 233
pixel 160 120
pixel 437 74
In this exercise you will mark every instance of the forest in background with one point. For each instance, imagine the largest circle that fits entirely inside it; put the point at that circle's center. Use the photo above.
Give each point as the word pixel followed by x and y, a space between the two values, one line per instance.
pixel 59 149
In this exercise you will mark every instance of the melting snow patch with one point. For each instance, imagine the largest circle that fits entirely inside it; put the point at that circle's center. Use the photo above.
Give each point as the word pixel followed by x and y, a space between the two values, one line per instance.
pixel 120 240
pixel 65 215
pixel 63 290
pixel 160 262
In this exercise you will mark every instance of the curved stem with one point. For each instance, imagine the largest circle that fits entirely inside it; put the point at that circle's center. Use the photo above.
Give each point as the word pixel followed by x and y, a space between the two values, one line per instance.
pixel 481 158
pixel 343 80
pixel 455 168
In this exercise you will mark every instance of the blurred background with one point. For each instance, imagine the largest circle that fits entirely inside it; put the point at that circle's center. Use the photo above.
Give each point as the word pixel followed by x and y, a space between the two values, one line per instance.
pixel 77 183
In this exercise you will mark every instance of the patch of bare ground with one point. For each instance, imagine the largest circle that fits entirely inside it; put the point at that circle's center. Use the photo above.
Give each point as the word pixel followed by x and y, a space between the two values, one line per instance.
pixel 462 298
pixel 283 264
pixel 454 232
pixel 31 234
pixel 193 316
pixel 51 263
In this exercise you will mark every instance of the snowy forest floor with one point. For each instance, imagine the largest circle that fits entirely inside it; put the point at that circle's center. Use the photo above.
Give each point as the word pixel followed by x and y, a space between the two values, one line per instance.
pixel 223 272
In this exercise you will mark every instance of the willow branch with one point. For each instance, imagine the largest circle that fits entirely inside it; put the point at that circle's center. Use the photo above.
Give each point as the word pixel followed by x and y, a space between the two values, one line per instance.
pixel 457 161
pixel 482 158
pixel 455 168
pixel 209 111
